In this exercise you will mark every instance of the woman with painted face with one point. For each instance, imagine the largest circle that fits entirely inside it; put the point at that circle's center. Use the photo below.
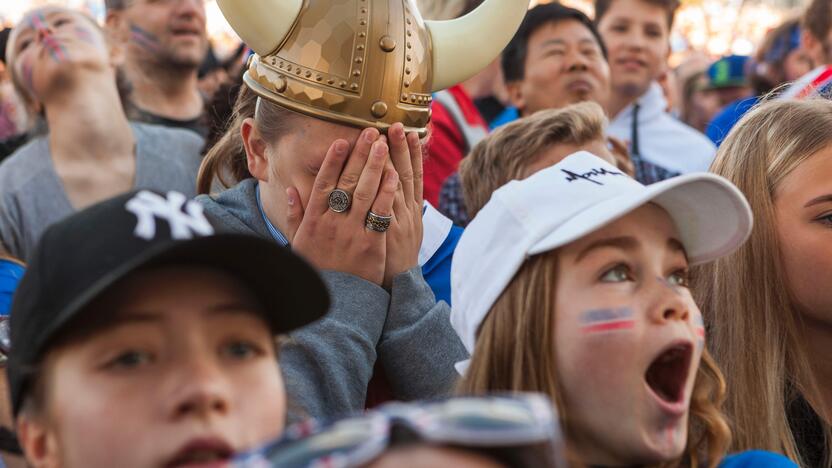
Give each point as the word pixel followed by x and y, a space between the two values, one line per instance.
pixel 574 283
pixel 359 108
pixel 65 68
pixel 772 295
pixel 142 339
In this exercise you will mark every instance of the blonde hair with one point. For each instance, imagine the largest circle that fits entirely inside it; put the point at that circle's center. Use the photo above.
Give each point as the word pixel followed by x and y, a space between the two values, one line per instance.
pixel 506 154
pixel 744 296
pixel 515 352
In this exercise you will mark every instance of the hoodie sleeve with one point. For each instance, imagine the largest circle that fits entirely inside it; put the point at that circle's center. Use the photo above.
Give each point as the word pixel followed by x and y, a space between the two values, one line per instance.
pixel 418 347
pixel 328 364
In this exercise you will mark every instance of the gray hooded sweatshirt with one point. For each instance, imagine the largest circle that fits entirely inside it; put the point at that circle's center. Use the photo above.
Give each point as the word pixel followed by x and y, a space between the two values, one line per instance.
pixel 328 364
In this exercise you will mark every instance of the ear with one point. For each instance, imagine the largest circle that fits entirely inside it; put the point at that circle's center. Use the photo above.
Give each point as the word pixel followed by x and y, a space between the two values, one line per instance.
pixel 256 146
pixel 515 95
pixel 116 26
pixel 117 51
pixel 38 443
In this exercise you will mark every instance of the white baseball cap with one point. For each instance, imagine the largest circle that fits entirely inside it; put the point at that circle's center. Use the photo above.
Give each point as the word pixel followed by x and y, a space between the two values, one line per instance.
pixel 569 200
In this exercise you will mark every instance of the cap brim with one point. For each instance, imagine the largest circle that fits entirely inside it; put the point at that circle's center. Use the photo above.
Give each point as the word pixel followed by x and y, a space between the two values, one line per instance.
pixel 291 292
pixel 712 216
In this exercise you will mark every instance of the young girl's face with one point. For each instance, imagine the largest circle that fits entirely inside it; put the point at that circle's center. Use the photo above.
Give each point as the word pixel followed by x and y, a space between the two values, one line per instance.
pixel 629 339
pixel 185 375
pixel 48 44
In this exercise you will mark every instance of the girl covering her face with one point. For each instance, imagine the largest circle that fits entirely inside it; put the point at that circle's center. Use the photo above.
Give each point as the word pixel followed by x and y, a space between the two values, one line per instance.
pixel 772 294
pixel 592 307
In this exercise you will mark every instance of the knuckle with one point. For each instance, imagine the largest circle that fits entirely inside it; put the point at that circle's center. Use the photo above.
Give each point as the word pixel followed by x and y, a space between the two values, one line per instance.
pixel 362 196
pixel 349 179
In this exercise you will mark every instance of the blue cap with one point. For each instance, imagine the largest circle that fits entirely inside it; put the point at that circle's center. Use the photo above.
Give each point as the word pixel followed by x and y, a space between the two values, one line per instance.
pixel 728 72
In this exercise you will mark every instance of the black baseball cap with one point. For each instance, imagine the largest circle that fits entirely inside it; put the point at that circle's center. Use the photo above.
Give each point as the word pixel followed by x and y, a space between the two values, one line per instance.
pixel 81 257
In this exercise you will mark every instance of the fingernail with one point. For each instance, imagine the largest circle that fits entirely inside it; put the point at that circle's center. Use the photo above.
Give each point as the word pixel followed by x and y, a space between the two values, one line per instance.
pixel 371 135
pixel 381 149
pixel 290 198
pixel 341 146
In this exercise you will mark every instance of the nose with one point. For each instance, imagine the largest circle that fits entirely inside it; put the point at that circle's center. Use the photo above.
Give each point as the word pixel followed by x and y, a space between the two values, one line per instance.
pixel 200 390
pixel 190 8
pixel 669 303
pixel 635 39
pixel 577 62
pixel 41 26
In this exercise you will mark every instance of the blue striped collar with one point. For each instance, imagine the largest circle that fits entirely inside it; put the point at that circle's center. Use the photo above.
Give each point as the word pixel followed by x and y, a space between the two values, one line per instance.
pixel 276 235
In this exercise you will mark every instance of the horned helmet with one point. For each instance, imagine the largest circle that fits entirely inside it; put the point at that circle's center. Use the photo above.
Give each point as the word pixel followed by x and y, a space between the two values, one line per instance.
pixel 365 63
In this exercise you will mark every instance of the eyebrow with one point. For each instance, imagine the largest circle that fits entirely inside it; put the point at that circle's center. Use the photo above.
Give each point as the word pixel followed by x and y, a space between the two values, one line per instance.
pixel 677 246
pixel 551 42
pixel 622 243
pixel 819 200
pixel 233 308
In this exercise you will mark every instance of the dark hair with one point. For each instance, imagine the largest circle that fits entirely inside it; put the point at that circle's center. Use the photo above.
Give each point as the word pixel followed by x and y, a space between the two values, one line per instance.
pixel 669 6
pixel 514 55
pixel 818 20
pixel 115 4
pixel 767 72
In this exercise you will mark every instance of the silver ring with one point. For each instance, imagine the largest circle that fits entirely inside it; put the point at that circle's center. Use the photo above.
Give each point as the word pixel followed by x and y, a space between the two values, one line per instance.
pixel 339 201
pixel 377 223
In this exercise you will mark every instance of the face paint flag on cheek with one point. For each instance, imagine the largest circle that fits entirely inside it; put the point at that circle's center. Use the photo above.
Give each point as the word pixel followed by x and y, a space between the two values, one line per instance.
pixel 607 320
pixel 144 39
pixel 699 328
pixel 84 35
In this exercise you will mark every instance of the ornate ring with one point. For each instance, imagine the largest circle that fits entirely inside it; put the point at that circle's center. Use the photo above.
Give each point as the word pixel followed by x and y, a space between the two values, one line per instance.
pixel 339 201
pixel 378 223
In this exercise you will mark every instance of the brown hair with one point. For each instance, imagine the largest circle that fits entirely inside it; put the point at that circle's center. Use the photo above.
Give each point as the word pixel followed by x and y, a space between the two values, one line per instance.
pixel 669 6
pixel 744 296
pixel 817 19
pixel 505 154
pixel 515 352
pixel 226 161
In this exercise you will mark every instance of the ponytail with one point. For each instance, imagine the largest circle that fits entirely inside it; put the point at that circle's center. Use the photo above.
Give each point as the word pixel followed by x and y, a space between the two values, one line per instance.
pixel 226 161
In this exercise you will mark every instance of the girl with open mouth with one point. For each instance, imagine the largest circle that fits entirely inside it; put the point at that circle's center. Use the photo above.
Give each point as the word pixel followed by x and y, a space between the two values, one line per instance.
pixel 574 283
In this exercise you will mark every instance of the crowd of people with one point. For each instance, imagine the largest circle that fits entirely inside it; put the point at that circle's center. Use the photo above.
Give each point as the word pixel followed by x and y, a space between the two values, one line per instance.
pixel 393 233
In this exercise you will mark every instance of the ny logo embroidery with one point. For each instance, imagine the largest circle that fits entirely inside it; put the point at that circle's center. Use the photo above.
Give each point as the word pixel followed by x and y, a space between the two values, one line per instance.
pixel 148 206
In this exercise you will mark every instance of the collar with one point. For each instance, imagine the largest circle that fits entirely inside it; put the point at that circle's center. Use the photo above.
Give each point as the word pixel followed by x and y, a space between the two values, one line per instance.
pixel 275 233
pixel 651 104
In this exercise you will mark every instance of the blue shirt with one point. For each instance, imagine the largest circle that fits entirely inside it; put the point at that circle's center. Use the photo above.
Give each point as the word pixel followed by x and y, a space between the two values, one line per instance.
pixel 755 458
pixel 440 240
pixel 725 120
pixel 10 275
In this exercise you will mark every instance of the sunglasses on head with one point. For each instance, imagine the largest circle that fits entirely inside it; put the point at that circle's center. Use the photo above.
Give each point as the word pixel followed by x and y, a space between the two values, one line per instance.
pixel 473 423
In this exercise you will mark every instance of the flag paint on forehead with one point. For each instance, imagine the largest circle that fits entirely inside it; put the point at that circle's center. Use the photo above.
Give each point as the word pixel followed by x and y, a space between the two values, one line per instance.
pixel 84 34
pixel 144 39
pixel 607 320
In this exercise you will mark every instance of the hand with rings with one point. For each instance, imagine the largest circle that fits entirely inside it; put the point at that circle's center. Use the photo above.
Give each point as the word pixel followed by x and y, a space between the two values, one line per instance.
pixel 331 232
pixel 404 237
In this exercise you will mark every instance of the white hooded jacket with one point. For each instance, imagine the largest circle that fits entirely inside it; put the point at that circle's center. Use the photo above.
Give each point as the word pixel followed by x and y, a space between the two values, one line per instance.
pixel 663 140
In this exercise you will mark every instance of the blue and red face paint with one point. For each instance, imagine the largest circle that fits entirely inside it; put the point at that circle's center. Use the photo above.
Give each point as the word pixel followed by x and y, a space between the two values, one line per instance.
pixel 607 320
pixel 57 51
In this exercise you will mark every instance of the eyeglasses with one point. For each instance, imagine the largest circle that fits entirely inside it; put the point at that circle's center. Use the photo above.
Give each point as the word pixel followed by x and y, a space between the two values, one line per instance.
pixel 515 421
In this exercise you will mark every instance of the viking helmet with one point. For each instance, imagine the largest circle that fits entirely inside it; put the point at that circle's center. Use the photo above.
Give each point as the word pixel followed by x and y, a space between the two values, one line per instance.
pixel 365 63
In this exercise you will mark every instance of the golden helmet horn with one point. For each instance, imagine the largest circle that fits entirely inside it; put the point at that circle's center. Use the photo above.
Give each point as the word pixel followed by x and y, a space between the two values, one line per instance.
pixel 464 46
pixel 365 63
pixel 261 24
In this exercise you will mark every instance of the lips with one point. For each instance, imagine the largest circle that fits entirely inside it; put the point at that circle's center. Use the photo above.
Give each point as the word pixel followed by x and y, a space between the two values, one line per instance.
pixel 203 453
pixel 631 63
pixel 668 374
pixel 579 86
